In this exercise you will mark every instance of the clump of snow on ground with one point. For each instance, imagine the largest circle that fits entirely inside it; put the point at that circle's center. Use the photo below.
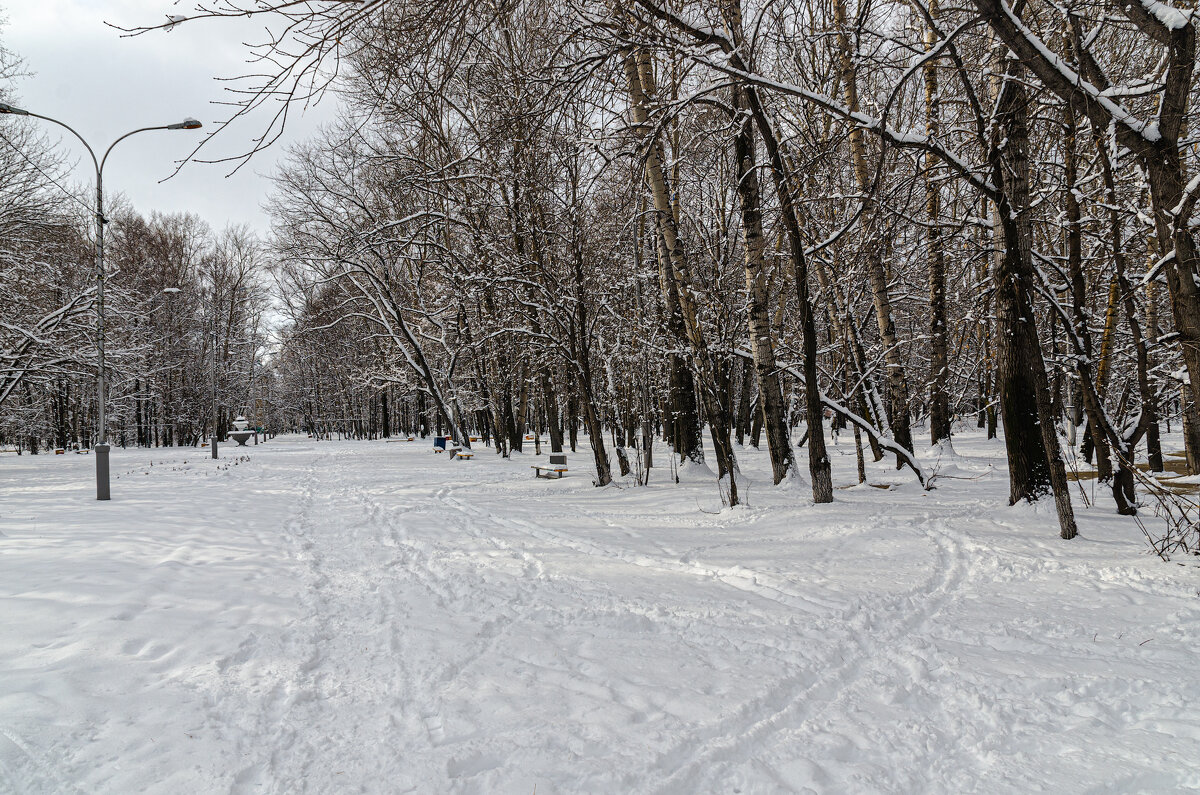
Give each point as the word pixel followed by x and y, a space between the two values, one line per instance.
pixel 366 616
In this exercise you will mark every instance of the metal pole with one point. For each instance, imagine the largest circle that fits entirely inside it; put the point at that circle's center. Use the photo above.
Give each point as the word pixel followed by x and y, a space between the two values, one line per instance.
pixel 102 448
pixel 214 373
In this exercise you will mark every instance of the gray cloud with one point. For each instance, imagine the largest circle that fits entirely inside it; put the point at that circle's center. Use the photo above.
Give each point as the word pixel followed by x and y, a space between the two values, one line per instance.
pixel 103 85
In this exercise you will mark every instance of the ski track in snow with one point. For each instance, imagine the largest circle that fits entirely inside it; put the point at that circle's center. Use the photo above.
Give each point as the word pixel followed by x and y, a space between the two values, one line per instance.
pixel 368 617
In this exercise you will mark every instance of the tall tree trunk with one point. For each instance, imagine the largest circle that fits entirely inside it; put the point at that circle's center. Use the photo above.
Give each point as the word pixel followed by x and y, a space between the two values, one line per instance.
pixel 897 380
pixel 1075 272
pixel 939 359
pixel 1153 438
pixel 1149 412
pixel 682 415
pixel 1183 279
pixel 745 398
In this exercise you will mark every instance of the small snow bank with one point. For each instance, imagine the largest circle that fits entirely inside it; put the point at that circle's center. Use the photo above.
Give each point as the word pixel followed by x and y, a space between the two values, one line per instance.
pixel 691 471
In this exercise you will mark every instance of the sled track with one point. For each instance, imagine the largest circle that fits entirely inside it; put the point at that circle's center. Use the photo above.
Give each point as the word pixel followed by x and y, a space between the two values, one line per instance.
pixel 871 632
pixel 694 765
pixel 755 583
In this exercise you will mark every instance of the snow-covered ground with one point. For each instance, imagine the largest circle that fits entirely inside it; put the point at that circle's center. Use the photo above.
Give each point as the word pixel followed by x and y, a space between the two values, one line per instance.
pixel 333 617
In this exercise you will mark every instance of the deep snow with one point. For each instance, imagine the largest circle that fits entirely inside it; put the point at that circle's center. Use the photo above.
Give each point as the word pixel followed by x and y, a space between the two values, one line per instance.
pixel 335 617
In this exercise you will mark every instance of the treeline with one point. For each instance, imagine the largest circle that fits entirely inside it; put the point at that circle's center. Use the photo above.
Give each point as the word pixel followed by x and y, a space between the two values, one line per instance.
pixel 724 218
pixel 665 219
pixel 185 310
pixel 184 315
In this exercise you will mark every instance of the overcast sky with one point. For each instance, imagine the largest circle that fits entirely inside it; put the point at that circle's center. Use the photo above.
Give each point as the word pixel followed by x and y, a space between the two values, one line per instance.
pixel 86 75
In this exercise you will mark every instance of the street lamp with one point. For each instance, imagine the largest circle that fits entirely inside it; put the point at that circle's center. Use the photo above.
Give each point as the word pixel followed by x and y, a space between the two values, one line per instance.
pixel 102 448
pixel 214 372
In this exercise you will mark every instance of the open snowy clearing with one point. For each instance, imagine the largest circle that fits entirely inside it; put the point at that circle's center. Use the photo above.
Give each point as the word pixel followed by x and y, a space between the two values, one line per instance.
pixel 368 617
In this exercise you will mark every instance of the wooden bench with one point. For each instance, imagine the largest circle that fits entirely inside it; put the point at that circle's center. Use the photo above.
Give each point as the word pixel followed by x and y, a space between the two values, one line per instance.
pixel 556 468
pixel 466 454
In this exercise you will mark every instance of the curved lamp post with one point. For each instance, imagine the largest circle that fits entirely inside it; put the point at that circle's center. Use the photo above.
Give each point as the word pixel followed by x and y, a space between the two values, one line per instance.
pixel 102 490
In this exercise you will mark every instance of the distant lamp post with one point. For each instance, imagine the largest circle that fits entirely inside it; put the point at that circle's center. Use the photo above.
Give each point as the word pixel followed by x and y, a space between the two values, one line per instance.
pixel 215 413
pixel 102 448
pixel 216 339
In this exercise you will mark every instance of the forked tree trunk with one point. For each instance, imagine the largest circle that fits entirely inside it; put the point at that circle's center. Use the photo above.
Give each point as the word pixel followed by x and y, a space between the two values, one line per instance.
pixel 1183 279
pixel 819 468
pixel 1123 485
pixel 1031 440
pixel 818 458
pixel 761 344
pixel 640 82
pixel 1155 144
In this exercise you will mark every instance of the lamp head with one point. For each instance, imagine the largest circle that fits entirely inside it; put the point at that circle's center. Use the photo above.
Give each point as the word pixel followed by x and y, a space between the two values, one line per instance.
pixel 6 108
pixel 171 290
pixel 186 124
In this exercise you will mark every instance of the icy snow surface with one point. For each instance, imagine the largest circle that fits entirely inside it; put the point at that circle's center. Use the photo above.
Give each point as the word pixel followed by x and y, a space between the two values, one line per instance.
pixel 333 617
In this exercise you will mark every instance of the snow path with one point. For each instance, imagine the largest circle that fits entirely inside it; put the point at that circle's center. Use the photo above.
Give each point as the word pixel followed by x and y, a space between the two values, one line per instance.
pixel 368 617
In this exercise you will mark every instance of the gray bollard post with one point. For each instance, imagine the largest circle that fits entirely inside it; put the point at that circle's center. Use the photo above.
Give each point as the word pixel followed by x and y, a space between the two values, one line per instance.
pixel 214 445
pixel 102 492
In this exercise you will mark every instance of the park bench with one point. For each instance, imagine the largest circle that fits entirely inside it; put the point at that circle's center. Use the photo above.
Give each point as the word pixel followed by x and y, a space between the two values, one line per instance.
pixel 556 467
pixel 461 453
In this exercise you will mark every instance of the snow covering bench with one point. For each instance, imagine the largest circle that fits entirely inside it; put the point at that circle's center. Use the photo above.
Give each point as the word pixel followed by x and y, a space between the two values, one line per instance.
pixel 556 468
pixel 461 453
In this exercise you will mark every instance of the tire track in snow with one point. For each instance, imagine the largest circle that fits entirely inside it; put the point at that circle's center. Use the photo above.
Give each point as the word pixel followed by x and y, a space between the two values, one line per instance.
pixel 434 662
pixel 419 561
